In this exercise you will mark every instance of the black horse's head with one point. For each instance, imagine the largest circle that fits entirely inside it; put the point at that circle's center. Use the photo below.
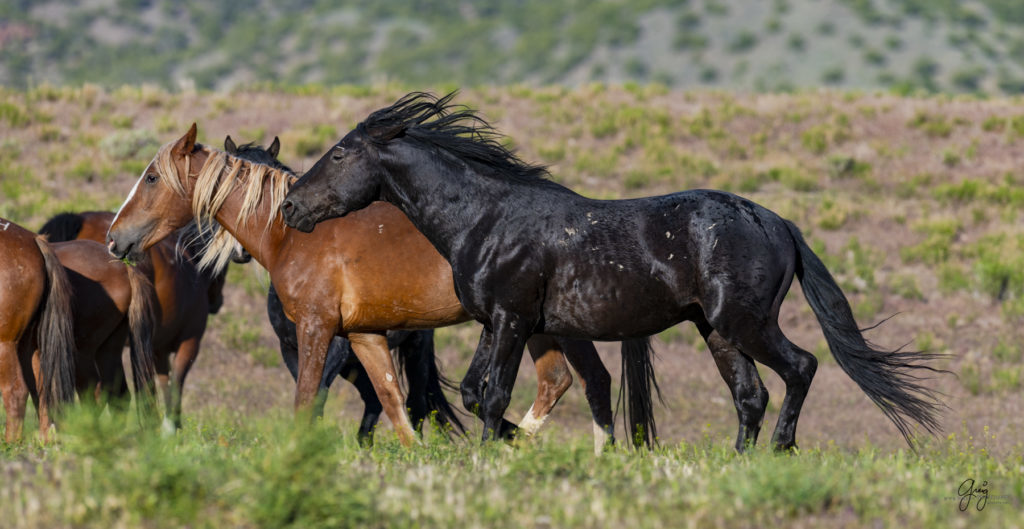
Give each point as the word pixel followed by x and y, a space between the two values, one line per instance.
pixel 345 179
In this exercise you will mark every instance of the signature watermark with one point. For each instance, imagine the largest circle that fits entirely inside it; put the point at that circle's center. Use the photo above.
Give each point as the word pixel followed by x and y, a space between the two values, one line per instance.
pixel 975 494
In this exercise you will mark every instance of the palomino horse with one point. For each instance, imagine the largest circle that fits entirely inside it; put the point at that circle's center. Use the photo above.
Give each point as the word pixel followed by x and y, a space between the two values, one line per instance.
pixel 357 277
pixel 530 255
pixel 36 333
pixel 185 297
pixel 415 348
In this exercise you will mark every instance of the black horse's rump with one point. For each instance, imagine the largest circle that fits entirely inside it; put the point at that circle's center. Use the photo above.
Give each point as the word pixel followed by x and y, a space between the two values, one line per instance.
pixel 530 256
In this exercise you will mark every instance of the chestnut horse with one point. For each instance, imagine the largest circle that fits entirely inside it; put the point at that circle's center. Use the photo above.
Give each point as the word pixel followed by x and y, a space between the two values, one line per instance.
pixel 36 333
pixel 415 348
pixel 356 277
pixel 185 298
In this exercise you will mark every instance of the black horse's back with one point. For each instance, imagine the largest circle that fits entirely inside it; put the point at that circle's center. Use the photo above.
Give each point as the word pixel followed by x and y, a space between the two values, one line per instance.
pixel 63 227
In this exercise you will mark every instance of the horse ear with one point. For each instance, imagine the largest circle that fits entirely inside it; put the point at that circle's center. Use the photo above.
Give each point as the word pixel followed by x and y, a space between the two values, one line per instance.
pixel 187 143
pixel 275 147
pixel 229 146
pixel 385 133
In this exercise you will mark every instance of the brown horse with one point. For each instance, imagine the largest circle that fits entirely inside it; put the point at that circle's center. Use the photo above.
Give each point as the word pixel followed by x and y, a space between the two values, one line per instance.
pixel 111 302
pixel 36 334
pixel 356 277
pixel 185 297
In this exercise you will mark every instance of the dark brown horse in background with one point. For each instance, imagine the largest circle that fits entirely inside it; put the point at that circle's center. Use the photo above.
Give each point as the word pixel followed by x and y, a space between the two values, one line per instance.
pixel 185 297
pixel 36 334
pixel 102 303
pixel 355 277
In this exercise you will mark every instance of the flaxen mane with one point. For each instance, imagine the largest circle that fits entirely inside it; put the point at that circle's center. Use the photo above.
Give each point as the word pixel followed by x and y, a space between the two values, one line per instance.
pixel 221 175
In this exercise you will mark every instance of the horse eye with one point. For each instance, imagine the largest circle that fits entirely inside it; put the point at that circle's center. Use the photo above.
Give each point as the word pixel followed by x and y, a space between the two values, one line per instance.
pixel 151 178
pixel 338 153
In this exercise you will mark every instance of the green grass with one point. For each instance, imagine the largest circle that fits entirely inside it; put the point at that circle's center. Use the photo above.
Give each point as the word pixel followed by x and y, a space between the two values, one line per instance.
pixel 274 473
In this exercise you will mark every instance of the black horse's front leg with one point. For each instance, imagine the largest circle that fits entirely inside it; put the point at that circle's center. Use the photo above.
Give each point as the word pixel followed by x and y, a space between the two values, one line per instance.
pixel 474 384
pixel 510 333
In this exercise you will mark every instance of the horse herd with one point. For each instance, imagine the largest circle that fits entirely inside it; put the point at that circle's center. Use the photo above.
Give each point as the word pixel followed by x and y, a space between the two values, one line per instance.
pixel 420 218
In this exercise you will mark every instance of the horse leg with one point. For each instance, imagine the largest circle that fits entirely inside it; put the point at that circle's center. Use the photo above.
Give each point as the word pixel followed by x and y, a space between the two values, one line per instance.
pixel 314 335
pixel 183 361
pixel 553 380
pixel 14 390
pixel 597 386
pixel 356 375
pixel 748 392
pixel 474 384
pixel 796 367
pixel 162 365
pixel 372 351
pixel 417 361
pixel 113 384
pixel 507 343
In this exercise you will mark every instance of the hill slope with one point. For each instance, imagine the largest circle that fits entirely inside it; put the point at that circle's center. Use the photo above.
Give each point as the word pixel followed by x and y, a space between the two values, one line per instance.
pixel 779 45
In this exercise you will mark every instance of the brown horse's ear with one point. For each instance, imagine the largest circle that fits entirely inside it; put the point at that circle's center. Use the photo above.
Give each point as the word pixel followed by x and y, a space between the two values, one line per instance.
pixel 187 143
pixel 275 147
pixel 229 146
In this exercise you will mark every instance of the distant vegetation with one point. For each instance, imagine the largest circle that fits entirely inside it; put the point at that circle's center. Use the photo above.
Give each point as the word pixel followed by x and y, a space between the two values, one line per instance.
pixel 904 45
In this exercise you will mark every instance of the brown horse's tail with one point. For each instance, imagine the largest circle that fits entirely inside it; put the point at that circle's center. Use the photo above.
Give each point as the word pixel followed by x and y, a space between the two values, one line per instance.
pixel 142 320
pixel 56 336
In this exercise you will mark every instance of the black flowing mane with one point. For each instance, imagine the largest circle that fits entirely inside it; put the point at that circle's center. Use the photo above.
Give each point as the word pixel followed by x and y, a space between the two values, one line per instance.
pixel 255 152
pixel 456 129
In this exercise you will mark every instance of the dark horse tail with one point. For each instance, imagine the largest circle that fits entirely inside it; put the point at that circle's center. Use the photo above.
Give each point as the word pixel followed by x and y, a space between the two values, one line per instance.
pixel 436 401
pixel 635 389
pixel 56 338
pixel 63 227
pixel 142 321
pixel 886 376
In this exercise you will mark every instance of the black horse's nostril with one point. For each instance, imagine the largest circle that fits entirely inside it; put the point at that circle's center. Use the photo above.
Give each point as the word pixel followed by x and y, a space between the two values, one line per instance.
pixel 287 206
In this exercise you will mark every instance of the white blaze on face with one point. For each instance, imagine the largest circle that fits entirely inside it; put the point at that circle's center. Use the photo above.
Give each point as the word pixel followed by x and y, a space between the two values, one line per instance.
pixel 131 194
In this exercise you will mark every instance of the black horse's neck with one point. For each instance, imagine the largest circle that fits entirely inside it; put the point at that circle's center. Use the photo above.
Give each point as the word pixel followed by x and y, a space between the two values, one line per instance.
pixel 447 199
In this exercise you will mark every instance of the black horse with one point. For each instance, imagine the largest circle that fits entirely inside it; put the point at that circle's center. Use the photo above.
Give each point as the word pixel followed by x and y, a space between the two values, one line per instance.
pixel 415 348
pixel 531 256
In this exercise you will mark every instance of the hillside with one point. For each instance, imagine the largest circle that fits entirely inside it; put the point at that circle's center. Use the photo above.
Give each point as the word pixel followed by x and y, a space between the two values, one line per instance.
pixel 904 45
pixel 914 204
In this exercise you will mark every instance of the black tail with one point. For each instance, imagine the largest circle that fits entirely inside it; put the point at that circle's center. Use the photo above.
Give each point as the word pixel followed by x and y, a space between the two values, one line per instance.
pixel 637 382
pixel 62 227
pixel 437 403
pixel 142 320
pixel 886 376
pixel 56 335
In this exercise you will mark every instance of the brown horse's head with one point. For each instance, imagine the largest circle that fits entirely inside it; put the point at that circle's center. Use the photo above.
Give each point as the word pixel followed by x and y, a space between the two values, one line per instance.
pixel 160 202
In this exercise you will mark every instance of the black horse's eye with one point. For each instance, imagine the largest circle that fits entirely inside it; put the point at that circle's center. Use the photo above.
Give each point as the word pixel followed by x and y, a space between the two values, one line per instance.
pixel 152 178
pixel 338 153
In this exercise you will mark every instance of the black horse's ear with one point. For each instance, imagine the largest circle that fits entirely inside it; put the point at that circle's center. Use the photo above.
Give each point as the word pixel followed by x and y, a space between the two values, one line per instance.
pixel 386 133
pixel 229 146
pixel 275 148
pixel 187 143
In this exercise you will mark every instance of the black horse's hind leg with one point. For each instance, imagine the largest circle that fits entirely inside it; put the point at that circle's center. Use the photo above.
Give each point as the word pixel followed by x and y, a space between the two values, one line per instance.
pixel 597 385
pixel 354 372
pixel 796 367
pixel 416 359
pixel 474 384
pixel 748 392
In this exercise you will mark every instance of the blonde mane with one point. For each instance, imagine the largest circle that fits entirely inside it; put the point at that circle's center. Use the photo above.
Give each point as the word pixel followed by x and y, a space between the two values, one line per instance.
pixel 221 175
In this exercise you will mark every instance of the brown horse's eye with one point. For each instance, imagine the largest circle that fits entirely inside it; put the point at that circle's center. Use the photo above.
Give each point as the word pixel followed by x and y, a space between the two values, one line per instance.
pixel 151 178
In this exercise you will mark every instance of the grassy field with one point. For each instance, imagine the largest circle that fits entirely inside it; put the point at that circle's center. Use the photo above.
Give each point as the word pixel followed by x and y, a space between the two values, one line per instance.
pixel 913 203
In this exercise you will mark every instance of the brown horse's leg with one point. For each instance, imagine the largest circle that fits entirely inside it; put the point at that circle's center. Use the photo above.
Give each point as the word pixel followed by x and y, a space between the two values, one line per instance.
pixel 162 366
pixel 553 380
pixel 597 386
pixel 314 336
pixel 14 390
pixel 372 351
pixel 183 361
pixel 113 386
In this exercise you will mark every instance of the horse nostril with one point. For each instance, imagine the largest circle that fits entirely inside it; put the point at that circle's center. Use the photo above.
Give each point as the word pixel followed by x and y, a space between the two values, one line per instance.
pixel 287 206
